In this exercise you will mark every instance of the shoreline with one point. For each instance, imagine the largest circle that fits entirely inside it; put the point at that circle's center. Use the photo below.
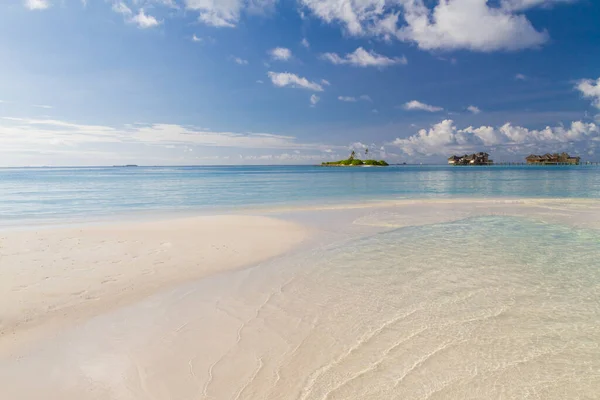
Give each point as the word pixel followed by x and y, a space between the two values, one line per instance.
pixel 233 319
pixel 55 277
pixel 158 215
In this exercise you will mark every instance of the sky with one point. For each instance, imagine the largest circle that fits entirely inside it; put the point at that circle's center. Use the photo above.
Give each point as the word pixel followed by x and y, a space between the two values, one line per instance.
pixel 211 82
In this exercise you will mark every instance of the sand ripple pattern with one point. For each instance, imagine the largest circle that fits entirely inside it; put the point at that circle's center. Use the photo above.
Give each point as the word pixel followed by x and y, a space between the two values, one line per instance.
pixel 484 308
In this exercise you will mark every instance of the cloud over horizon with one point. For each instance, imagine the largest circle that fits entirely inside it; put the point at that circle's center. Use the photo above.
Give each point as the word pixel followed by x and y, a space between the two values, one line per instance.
pixel 445 138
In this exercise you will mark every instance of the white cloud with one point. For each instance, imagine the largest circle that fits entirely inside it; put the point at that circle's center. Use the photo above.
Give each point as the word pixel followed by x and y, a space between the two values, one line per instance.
pixel 363 58
pixel 445 138
pixel 45 131
pixel 314 99
pixel 353 14
pixel 240 61
pixel 218 13
pixel 474 109
pixel 37 4
pixel 144 21
pixel 280 53
pixel 196 38
pixel 305 43
pixel 417 105
pixel 42 106
pixel 166 3
pixel 226 13
pixel 519 5
pixel 437 25
pixel 121 8
pixel 590 89
pixel 54 142
pixel 351 99
pixel 259 81
pixel 520 77
pixel 282 79
pixel 467 24
pixel 325 82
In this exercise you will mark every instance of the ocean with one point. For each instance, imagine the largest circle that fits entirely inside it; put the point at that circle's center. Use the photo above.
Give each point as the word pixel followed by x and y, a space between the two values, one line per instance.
pixel 61 193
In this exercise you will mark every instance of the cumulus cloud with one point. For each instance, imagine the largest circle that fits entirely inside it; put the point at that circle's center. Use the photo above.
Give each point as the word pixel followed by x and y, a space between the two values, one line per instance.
pixel 363 58
pixel 325 82
pixel 240 61
pixel 355 16
pixel 467 24
pixel 590 89
pixel 314 99
pixel 520 77
pixel 438 25
pixel 305 43
pixel 144 21
pixel 417 105
pixel 37 4
pixel 473 109
pixel 283 79
pixel 121 8
pixel 280 53
pixel 196 38
pixel 221 14
pixel 444 138
pixel 366 97
pixel 226 13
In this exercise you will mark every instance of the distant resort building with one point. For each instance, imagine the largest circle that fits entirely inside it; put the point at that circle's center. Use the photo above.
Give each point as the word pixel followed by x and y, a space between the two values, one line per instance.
pixel 553 159
pixel 471 159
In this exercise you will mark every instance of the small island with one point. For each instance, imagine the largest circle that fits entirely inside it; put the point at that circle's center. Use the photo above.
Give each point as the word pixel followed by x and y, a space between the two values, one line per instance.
pixel 352 161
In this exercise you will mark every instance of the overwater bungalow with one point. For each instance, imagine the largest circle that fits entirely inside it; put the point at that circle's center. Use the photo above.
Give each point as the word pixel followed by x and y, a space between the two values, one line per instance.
pixel 552 159
pixel 471 159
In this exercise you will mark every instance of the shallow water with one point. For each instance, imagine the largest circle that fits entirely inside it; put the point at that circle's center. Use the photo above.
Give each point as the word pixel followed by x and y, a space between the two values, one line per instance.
pixel 60 193
pixel 487 307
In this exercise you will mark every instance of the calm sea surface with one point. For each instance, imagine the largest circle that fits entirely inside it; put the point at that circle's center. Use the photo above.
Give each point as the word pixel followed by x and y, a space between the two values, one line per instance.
pixel 48 193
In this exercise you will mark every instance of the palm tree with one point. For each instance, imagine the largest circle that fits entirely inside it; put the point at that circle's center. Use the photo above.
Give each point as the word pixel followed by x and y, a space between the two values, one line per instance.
pixel 352 155
pixel 367 153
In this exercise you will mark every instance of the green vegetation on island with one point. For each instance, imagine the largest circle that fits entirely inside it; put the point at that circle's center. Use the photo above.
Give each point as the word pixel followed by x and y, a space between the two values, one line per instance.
pixel 352 161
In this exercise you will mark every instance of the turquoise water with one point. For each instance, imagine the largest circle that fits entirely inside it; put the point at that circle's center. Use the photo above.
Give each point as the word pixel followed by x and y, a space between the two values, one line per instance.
pixel 32 193
pixel 480 308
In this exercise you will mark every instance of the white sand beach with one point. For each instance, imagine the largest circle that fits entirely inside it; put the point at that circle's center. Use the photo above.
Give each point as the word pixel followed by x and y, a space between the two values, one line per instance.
pixel 386 305
pixel 54 277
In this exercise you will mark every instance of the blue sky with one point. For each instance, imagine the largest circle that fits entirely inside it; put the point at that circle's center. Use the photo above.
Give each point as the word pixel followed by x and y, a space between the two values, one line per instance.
pixel 102 82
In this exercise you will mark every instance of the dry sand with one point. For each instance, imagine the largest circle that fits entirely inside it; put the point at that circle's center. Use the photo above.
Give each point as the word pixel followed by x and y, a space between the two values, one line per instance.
pixel 53 277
